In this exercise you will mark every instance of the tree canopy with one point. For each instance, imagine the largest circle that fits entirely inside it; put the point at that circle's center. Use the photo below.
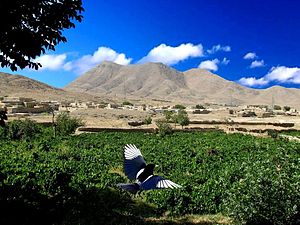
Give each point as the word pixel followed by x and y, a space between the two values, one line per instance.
pixel 29 28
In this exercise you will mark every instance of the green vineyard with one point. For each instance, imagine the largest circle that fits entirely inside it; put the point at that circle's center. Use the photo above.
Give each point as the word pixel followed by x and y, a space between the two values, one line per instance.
pixel 72 179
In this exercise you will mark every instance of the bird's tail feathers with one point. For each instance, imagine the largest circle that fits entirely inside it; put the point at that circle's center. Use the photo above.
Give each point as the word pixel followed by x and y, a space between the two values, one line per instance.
pixel 132 188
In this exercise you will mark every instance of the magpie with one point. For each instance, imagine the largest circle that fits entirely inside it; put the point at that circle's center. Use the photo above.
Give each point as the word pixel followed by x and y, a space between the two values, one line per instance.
pixel 136 169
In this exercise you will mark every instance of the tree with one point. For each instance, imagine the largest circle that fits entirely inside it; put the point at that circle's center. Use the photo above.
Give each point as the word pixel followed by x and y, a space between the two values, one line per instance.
pixel 66 125
pixel 182 118
pixel 168 115
pixel 29 28
pixel 286 108
pixel 164 127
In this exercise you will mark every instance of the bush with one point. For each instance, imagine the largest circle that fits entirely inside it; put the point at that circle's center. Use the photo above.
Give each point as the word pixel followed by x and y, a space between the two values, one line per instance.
pixel 65 124
pixel 179 107
pixel 163 127
pixel 22 129
pixel 127 103
pixel 277 107
pixel 200 107
pixel 272 133
pixel 148 120
pixel 286 108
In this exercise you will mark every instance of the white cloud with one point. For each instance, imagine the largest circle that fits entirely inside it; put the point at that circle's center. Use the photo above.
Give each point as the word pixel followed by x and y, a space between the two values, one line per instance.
pixel 284 74
pixel 87 62
pixel 281 74
pixel 225 61
pixel 172 55
pixel 257 63
pixel 250 55
pixel 209 65
pixel 213 64
pixel 252 81
pixel 51 62
pixel 217 48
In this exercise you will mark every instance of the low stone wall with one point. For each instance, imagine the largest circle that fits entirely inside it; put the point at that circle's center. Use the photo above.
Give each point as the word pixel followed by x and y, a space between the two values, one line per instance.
pixel 242 129
pixel 28 110
pixel 216 122
pixel 100 129
pixel 144 130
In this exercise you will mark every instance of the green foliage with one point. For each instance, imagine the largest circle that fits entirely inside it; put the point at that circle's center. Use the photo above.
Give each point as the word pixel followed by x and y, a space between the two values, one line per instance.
pixel 272 133
pixel 65 124
pixel 20 44
pixel 181 118
pixel 168 115
pixel 164 127
pixel 127 103
pixel 286 108
pixel 267 193
pixel 277 107
pixel 73 178
pixel 179 107
pixel 148 120
pixel 200 107
pixel 22 129
pixel 3 132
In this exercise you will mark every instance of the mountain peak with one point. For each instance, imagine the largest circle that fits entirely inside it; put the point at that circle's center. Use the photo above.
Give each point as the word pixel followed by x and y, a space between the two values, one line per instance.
pixel 158 81
pixel 107 62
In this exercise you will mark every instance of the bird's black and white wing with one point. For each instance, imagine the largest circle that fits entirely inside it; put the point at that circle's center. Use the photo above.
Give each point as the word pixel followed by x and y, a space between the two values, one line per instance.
pixel 133 161
pixel 133 188
pixel 158 182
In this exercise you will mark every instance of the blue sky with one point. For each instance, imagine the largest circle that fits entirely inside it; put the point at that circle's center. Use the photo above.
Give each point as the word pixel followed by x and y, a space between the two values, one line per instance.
pixel 255 43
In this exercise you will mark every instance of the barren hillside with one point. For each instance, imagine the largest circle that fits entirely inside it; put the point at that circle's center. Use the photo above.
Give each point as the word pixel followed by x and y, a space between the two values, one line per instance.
pixel 158 81
pixel 17 85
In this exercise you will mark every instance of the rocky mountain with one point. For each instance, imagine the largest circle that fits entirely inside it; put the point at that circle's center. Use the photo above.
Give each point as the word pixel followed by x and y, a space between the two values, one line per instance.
pixel 153 80
pixel 158 81
pixel 20 86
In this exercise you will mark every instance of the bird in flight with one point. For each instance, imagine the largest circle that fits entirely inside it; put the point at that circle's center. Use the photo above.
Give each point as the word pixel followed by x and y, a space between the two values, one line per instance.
pixel 136 169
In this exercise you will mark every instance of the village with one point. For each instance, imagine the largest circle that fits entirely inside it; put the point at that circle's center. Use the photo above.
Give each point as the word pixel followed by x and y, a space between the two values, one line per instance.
pixel 99 116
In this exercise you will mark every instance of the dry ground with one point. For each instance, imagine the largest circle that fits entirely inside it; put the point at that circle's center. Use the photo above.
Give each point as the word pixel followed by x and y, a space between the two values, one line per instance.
pixel 118 118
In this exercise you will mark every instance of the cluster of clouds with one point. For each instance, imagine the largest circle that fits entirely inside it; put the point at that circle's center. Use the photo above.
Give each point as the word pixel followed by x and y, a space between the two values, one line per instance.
pixel 212 65
pixel 83 64
pixel 256 63
pixel 280 74
pixel 171 55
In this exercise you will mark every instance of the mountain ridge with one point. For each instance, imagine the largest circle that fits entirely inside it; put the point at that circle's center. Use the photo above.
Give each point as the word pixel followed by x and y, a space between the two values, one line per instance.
pixel 156 80
pixel 21 86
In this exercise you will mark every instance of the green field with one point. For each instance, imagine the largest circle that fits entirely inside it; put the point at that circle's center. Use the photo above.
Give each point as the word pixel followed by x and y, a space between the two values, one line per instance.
pixel 72 179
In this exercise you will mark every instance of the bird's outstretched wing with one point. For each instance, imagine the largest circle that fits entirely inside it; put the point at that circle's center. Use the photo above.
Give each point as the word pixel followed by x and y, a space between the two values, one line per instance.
pixel 133 161
pixel 158 182
pixel 133 188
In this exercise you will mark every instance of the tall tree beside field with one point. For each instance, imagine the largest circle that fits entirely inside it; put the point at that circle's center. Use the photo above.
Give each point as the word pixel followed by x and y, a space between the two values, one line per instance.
pixel 29 28
pixel 182 118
